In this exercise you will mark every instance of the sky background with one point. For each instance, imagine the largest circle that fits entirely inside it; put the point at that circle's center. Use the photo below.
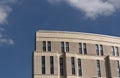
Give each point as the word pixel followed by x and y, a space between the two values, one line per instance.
pixel 20 19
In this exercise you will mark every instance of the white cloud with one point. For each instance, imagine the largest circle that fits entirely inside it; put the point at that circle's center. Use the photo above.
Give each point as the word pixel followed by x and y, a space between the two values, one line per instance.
pixel 4 39
pixel 93 8
pixel 5 10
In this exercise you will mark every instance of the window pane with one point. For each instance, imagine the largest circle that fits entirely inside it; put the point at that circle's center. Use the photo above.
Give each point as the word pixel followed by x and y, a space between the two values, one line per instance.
pixel 113 50
pixel 97 49
pixel 44 45
pixel 62 47
pixel 79 67
pixel 73 65
pixel 118 68
pixel 84 48
pixel 80 48
pixel 98 68
pixel 67 46
pixel 43 64
pixel 61 66
pixel 51 65
pixel 117 52
pixel 49 46
pixel 101 49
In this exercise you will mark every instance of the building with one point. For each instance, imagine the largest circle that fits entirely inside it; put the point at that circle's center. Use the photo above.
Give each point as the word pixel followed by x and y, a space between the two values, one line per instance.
pixel 60 54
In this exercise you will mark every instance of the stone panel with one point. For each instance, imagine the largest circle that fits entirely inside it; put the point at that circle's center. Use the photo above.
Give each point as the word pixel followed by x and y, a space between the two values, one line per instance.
pixel 73 47
pixel 119 51
pixel 37 65
pixel 113 68
pixel 89 68
pixel 47 64
pixel 91 50
pixel 102 66
pixel 55 46
pixel 107 50
pixel 56 65
pixel 39 46
pixel 68 66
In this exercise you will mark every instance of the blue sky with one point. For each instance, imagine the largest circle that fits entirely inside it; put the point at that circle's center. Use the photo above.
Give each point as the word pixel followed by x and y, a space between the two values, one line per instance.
pixel 19 19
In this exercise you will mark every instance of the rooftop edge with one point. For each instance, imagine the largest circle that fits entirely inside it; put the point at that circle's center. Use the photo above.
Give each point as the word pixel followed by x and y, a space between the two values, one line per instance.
pixel 72 32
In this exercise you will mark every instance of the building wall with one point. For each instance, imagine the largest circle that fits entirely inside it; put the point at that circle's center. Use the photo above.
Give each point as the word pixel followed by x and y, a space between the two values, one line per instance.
pixel 88 61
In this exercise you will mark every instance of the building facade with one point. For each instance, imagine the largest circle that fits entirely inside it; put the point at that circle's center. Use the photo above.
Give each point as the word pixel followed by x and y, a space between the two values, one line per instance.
pixel 60 54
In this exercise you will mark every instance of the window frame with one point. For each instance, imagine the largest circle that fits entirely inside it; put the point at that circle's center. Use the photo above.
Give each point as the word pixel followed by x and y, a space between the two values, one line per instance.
pixel 80 48
pixel 98 68
pixel 85 48
pixel 51 65
pixel 79 67
pixel 44 46
pixel 62 47
pixel 101 50
pixel 49 45
pixel 67 46
pixel 61 63
pixel 43 65
pixel 117 51
pixel 73 65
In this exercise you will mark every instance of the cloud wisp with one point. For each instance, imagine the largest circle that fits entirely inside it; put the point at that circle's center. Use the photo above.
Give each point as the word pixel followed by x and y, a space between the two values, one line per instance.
pixel 5 10
pixel 93 8
pixel 4 39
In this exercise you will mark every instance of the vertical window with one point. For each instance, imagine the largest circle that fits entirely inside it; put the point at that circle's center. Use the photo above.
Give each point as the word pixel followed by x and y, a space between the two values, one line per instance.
pixel 43 64
pixel 61 66
pixel 67 46
pixel 62 47
pixel 44 45
pixel 98 68
pixel 49 45
pixel 51 65
pixel 97 49
pixel 101 49
pixel 117 52
pixel 79 67
pixel 84 48
pixel 118 68
pixel 80 48
pixel 113 50
pixel 73 65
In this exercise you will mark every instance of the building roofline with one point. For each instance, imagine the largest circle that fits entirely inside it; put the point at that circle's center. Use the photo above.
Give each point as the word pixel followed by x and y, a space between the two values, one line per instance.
pixel 72 32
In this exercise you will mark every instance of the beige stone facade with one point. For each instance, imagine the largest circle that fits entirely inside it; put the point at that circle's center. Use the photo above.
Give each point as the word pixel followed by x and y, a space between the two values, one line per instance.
pixel 93 64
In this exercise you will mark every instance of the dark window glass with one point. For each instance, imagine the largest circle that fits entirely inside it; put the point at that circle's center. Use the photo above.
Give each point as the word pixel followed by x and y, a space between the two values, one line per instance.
pixel 113 50
pixel 117 52
pixel 79 67
pixel 61 66
pixel 101 49
pixel 62 47
pixel 80 48
pixel 51 65
pixel 44 45
pixel 49 46
pixel 67 46
pixel 118 68
pixel 98 68
pixel 84 48
pixel 73 65
pixel 43 64
pixel 97 49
